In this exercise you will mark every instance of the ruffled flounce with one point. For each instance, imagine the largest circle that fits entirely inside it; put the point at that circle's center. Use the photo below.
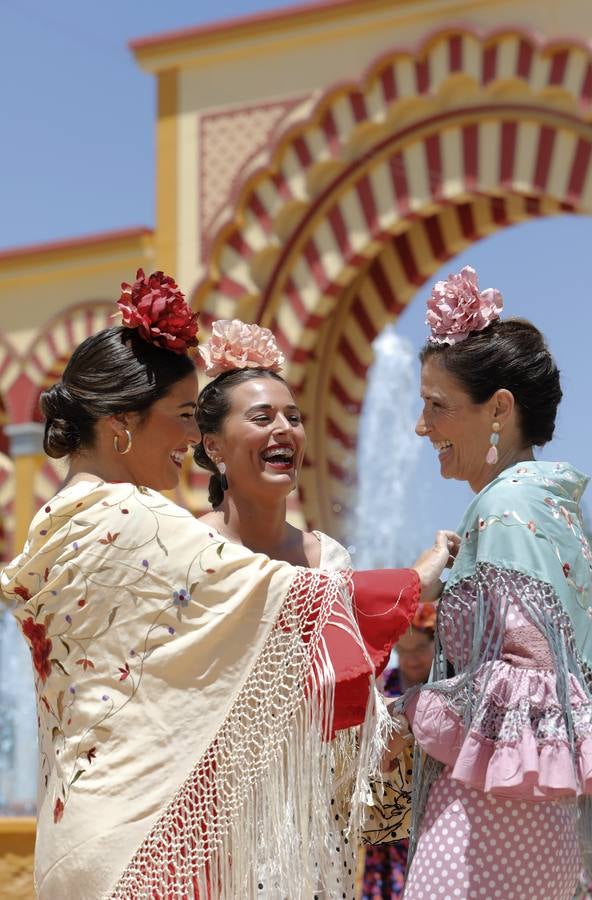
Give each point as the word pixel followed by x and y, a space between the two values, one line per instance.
pixel 517 743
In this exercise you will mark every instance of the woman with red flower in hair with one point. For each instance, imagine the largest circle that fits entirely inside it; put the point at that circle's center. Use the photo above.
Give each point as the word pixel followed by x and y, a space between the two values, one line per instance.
pixel 185 690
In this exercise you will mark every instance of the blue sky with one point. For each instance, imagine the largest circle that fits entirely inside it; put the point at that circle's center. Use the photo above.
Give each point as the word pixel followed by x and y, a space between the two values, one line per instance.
pixel 77 157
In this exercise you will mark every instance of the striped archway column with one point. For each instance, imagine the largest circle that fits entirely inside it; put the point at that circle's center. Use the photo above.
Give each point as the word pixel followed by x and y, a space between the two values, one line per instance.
pixel 361 202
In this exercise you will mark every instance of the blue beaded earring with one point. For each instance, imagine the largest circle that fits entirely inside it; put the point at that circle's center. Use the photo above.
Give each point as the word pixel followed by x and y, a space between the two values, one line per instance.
pixel 492 454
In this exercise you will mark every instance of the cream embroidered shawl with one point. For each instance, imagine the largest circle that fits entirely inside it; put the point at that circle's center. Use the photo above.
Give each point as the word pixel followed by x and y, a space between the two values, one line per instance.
pixel 184 703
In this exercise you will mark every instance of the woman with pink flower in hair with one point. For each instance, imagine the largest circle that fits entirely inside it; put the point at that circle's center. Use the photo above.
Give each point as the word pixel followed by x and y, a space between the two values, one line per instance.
pixel 253 443
pixel 503 785
pixel 185 689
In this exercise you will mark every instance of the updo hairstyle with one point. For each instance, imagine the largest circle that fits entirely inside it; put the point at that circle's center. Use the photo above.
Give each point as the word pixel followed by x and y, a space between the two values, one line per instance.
pixel 510 354
pixel 213 405
pixel 114 371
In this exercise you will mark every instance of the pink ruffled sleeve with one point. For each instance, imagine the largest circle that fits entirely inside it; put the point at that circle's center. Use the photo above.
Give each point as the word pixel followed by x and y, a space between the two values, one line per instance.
pixel 516 743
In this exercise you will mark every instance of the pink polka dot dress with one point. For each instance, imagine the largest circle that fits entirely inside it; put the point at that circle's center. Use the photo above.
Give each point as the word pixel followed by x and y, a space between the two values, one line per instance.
pixel 474 846
pixel 500 820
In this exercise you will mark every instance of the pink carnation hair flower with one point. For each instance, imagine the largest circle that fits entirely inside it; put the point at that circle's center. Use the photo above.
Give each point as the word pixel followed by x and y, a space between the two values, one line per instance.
pixel 237 345
pixel 457 307
pixel 158 309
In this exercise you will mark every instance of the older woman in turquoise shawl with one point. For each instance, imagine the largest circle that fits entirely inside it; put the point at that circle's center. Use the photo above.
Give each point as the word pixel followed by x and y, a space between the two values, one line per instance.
pixel 502 786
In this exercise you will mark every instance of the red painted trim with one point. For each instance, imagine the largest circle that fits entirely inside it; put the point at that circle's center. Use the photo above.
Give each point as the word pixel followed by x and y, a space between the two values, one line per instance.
pixel 339 472
pixel 293 294
pixel 337 433
pixel 230 287
pixel 338 391
pixel 223 26
pixel 489 64
pixel 434 162
pixel 315 264
pixel 422 75
pixel 349 354
pixel 455 53
pixel 533 206
pixel 544 155
pixel 385 61
pixel 384 288
pixel 436 238
pixel 389 84
pixel 467 222
pixel 506 170
pixel 329 129
pixel 238 243
pixel 366 197
pixel 470 142
pixel 302 151
pixel 260 212
pixel 508 151
pixel 398 171
pixel 281 185
pixel 363 319
pixel 586 92
pixel 524 61
pixel 103 237
pixel 498 210
pixel 579 170
pixel 558 66
pixel 358 106
pixel 407 259
pixel 339 229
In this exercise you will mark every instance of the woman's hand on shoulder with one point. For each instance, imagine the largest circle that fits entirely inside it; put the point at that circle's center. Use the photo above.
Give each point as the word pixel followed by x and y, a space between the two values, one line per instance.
pixel 432 562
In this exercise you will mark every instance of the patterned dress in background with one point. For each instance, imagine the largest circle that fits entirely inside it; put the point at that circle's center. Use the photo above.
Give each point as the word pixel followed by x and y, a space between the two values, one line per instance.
pixel 384 869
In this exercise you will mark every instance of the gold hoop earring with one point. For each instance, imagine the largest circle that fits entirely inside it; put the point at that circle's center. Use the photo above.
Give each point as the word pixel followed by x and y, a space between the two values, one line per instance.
pixel 128 446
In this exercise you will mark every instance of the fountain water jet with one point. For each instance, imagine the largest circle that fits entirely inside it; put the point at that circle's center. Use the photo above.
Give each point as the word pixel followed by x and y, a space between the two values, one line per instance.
pixel 387 455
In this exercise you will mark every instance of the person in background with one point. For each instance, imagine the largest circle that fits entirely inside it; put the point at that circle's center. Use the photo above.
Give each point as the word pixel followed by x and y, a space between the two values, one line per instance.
pixel 385 864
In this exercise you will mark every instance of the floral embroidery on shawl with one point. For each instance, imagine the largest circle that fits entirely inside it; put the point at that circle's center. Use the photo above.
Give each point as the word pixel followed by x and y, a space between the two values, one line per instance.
pixel 59 639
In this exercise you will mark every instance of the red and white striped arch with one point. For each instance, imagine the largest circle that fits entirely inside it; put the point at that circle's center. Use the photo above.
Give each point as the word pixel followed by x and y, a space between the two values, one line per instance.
pixel 363 199
pixel 44 360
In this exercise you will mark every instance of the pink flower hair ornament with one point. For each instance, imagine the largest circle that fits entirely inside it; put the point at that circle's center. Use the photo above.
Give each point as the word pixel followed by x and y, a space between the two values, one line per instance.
pixel 237 345
pixel 158 309
pixel 457 307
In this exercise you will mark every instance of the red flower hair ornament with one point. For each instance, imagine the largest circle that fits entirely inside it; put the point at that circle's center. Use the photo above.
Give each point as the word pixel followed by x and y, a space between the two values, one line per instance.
pixel 158 309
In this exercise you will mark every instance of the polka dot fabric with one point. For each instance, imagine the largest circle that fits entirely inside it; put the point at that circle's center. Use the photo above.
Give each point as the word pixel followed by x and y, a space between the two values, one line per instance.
pixel 473 846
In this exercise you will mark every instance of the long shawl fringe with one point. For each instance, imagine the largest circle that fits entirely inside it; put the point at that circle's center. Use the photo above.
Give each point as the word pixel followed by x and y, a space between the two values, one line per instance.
pixel 264 811
pixel 471 601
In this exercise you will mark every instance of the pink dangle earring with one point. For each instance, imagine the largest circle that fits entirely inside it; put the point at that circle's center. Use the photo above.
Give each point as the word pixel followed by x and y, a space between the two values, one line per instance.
pixel 492 454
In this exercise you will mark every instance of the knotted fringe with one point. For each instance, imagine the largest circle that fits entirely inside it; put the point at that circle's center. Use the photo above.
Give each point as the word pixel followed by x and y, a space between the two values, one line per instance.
pixel 475 611
pixel 259 815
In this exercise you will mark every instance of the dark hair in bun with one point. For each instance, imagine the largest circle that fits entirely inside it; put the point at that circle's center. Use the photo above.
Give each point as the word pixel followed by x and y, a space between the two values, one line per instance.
pixel 511 354
pixel 114 371
pixel 213 405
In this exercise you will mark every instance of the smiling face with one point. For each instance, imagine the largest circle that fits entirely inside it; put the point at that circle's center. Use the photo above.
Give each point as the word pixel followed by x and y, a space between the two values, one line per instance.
pixel 458 428
pixel 262 438
pixel 163 437
pixel 416 653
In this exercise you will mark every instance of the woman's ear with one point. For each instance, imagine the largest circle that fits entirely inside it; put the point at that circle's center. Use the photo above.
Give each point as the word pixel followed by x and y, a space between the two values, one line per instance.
pixel 212 446
pixel 504 405
pixel 121 422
